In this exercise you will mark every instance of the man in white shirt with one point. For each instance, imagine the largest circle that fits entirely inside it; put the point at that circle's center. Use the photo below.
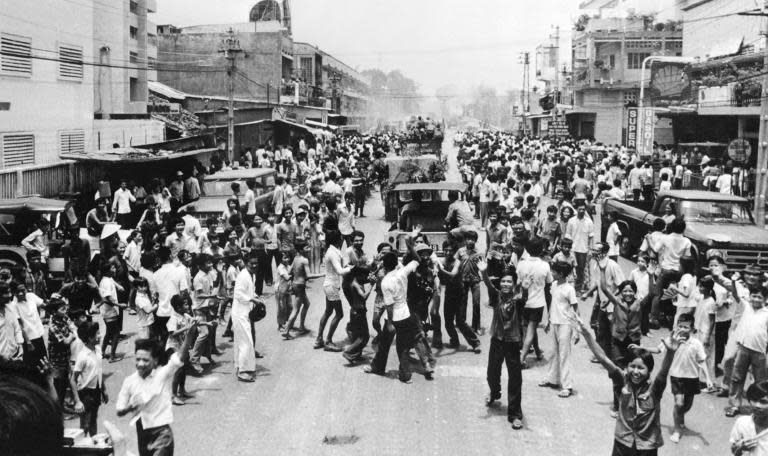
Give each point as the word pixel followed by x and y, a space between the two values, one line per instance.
pixel 581 231
pixel 671 248
pixel 169 280
pixel 724 183
pixel 244 299
pixel 534 275
pixel 121 205
pixel 401 323
pixel 38 239
pixel 146 394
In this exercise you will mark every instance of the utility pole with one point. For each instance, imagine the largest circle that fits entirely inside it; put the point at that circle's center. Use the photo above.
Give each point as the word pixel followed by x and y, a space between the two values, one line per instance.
pixel 525 100
pixel 230 47
pixel 556 91
pixel 761 181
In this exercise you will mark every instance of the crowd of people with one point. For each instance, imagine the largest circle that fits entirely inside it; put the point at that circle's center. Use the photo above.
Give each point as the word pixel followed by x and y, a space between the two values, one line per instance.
pixel 525 230
pixel 556 256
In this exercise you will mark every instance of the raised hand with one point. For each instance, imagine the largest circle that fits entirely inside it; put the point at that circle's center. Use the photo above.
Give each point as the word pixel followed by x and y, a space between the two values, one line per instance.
pixel 672 342
pixel 482 266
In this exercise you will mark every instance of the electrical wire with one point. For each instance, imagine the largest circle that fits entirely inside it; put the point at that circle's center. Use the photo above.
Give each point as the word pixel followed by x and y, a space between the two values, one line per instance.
pixel 201 69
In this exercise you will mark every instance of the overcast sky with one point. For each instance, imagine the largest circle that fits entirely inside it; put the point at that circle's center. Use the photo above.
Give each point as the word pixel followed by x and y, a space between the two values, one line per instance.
pixel 434 42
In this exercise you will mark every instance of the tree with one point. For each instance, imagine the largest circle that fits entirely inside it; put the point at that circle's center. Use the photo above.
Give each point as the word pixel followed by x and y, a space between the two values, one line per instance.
pixel 393 95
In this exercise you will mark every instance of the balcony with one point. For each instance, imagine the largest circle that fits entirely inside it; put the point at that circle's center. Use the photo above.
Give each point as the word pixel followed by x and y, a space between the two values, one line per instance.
pixel 730 99
pixel 151 6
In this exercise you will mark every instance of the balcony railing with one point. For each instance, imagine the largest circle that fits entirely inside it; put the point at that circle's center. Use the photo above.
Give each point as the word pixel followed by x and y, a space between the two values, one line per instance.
pixel 731 95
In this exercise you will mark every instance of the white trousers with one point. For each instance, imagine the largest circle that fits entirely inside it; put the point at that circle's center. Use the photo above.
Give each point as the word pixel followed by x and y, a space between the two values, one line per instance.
pixel 560 362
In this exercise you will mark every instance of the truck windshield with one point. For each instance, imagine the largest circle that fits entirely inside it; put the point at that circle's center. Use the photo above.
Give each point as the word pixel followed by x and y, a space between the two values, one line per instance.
pixel 719 212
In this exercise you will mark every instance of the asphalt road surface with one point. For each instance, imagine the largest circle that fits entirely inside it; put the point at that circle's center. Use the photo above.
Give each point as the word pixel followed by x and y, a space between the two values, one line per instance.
pixel 307 401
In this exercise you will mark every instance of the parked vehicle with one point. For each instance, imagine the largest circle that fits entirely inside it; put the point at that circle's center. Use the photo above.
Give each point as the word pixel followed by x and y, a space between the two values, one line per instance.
pixel 713 221
pixel 218 189
pixel 17 219
pixel 430 215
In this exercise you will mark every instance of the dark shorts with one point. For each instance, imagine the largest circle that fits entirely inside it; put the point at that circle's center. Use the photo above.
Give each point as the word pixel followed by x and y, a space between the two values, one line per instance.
pixel 685 386
pixel 533 315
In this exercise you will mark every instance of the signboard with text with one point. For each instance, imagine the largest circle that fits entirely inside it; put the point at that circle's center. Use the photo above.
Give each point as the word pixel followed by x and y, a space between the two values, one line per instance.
pixel 632 120
pixel 558 128
pixel 646 124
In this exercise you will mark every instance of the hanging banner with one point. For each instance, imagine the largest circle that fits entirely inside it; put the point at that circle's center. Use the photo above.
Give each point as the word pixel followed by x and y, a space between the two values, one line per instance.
pixel 632 121
pixel 646 124
pixel 558 128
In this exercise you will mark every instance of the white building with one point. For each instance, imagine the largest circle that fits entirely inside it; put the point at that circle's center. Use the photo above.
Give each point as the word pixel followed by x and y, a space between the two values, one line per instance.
pixel 73 78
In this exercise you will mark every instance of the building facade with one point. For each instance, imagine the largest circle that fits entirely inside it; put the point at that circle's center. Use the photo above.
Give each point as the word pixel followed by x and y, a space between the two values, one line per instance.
pixel 726 77
pixel 68 89
pixel 344 90
pixel 299 81
pixel 607 56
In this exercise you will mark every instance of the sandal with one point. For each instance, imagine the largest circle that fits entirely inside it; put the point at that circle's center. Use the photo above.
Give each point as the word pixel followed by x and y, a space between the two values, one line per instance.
pixel 566 392
pixel 731 412
pixel 547 384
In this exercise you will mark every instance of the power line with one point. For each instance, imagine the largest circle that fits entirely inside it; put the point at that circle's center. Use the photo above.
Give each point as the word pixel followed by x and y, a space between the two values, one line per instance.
pixel 98 64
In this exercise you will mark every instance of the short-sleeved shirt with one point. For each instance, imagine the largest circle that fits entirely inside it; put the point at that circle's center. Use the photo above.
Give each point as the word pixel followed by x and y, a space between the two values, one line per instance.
pixel 534 274
pixel 580 231
pixel 203 282
pixel 88 364
pixel 753 329
pixel 169 280
pixel 685 363
pixel 144 314
pixel 151 394
pixel 637 424
pixel 671 248
pixel 11 337
pixel 687 285
pixel 744 429
pixel 107 289
pixel 394 287
pixel 563 298
pixel 29 313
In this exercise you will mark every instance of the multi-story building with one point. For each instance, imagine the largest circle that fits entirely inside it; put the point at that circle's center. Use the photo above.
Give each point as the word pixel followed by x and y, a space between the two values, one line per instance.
pixel 73 88
pixel 607 54
pixel 728 50
pixel 326 77
pixel 301 80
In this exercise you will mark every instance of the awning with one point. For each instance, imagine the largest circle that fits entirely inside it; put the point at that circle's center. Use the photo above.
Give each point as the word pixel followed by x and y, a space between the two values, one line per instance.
pixel 134 155
pixel 32 203
pixel 294 124
pixel 165 91
pixel 320 124
pixel 579 111
pixel 539 116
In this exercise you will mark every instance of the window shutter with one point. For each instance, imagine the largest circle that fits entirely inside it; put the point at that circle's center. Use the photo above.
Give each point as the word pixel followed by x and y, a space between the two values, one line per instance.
pixel 72 142
pixel 15 55
pixel 18 150
pixel 70 61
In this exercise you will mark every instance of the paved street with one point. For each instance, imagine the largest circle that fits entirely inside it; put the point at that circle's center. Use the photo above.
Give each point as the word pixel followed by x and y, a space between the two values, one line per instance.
pixel 306 401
